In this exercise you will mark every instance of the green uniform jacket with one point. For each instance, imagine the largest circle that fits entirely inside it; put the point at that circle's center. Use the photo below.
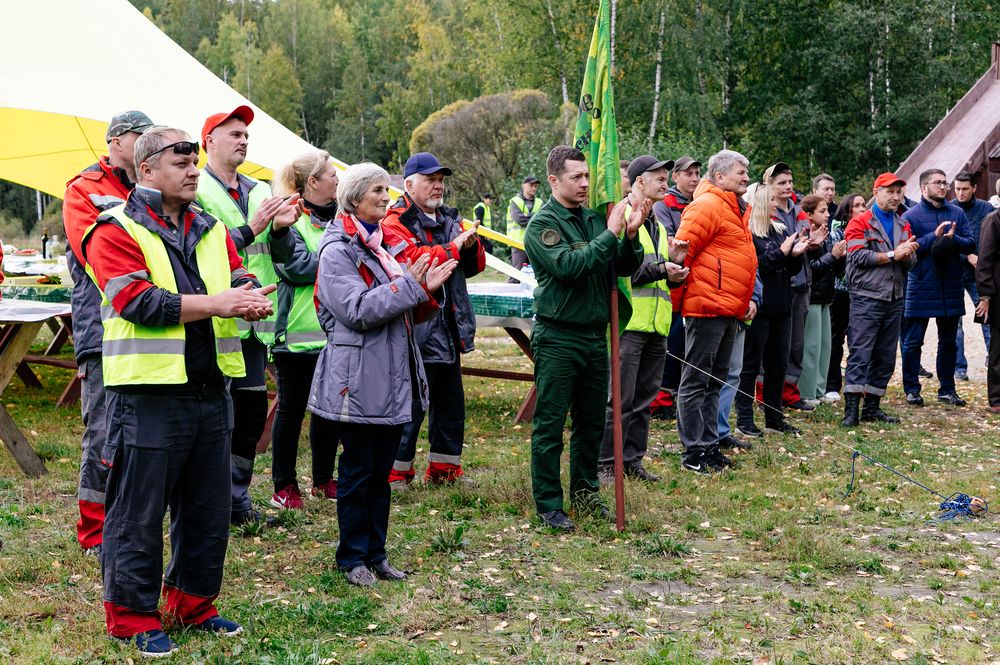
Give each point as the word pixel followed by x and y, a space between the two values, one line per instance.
pixel 570 256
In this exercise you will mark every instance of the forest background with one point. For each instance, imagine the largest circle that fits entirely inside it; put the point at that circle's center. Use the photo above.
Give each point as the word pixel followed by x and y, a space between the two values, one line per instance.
pixel 847 88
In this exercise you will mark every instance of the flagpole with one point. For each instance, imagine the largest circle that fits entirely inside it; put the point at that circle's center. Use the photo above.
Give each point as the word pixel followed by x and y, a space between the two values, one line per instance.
pixel 616 399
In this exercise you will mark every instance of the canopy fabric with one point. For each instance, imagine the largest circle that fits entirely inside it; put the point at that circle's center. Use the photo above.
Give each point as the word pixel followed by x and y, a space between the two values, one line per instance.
pixel 68 66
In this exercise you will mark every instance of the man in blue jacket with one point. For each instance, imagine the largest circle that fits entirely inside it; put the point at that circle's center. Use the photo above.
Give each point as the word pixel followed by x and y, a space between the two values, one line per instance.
pixel 975 210
pixel 934 285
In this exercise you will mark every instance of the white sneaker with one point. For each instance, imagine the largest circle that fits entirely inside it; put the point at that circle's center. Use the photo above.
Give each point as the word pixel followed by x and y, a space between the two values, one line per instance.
pixel 811 402
pixel 830 398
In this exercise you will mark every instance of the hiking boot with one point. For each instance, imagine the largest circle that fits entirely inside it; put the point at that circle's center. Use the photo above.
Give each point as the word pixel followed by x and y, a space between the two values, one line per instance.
pixel 951 398
pixel 288 498
pixel 749 429
pixel 851 403
pixel 360 576
pixel 327 490
pixel 782 427
pixel 386 571
pixel 730 442
pixel 606 476
pixel 152 644
pixel 914 399
pixel 557 519
pixel 637 470
pixel 871 413
pixel 220 626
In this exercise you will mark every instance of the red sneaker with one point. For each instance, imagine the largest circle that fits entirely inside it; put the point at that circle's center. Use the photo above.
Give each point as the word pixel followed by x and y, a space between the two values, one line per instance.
pixel 327 490
pixel 287 498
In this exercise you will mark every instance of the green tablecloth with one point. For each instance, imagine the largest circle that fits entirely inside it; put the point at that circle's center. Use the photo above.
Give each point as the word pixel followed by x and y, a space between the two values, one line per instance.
pixel 501 300
pixel 28 288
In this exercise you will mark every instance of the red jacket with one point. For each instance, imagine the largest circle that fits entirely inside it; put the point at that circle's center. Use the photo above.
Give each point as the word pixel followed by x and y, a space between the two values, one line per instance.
pixel 88 194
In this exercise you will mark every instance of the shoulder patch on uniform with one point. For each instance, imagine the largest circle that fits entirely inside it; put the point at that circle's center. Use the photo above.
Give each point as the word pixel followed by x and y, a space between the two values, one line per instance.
pixel 550 237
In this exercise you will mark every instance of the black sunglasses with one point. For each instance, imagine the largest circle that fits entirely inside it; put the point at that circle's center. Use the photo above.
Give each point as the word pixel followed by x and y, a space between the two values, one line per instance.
pixel 180 148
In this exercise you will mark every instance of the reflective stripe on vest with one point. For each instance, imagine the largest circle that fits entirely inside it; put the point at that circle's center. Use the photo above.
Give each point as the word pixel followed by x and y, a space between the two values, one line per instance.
pixel 136 354
pixel 514 230
pixel 487 214
pixel 303 332
pixel 651 307
pixel 217 202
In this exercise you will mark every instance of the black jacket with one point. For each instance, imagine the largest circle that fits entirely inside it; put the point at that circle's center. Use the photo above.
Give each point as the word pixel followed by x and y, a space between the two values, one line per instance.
pixel 825 270
pixel 776 271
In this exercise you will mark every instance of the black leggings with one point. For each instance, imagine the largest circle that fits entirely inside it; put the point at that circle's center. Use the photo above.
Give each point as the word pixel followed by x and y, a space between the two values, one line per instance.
pixel 767 342
pixel 295 374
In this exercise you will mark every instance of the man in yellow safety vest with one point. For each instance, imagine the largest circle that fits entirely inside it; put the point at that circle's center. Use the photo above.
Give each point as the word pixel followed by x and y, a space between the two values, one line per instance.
pixel 521 208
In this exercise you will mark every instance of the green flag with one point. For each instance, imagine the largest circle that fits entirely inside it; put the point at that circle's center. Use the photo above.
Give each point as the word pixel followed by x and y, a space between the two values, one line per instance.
pixel 596 135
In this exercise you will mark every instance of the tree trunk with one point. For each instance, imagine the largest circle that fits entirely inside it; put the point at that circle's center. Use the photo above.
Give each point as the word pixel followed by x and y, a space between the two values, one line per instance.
pixel 888 97
pixel 656 78
pixel 500 47
pixel 727 77
pixel 559 52
pixel 698 10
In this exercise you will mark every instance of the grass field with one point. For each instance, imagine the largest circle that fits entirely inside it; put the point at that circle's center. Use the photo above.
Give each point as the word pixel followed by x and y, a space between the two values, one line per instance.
pixel 767 563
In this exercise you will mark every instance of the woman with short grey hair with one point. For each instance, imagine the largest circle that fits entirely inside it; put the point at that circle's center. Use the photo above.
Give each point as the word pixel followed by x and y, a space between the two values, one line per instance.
pixel 370 373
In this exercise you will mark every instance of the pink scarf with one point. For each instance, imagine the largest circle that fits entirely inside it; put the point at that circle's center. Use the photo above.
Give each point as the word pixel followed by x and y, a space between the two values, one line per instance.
pixel 374 243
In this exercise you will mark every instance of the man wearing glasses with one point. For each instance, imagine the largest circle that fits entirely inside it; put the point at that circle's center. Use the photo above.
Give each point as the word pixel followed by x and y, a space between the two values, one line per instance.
pixel 934 287
pixel 171 283
pixel 246 207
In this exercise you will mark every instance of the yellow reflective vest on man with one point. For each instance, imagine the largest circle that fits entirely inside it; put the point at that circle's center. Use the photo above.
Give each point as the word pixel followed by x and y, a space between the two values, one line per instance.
pixel 651 306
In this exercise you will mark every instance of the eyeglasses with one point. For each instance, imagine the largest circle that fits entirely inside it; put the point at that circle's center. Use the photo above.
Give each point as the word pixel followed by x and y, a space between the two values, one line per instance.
pixel 938 183
pixel 180 148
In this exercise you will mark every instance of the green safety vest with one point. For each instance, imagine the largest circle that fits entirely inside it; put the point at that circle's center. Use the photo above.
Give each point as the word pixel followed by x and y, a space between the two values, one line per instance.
pixel 298 327
pixel 137 354
pixel 514 230
pixel 217 202
pixel 487 214
pixel 651 306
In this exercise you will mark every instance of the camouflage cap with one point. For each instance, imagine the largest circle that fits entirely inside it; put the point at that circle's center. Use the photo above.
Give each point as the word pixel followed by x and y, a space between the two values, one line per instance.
pixel 128 121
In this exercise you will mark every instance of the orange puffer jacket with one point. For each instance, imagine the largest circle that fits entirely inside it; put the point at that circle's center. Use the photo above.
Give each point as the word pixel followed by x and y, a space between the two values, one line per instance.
pixel 720 254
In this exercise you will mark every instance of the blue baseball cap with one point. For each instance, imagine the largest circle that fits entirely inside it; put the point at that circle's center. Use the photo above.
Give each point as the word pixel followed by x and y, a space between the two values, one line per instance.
pixel 424 163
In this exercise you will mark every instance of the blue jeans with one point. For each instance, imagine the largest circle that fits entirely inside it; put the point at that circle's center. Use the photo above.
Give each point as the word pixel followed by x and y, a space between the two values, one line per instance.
pixel 947 331
pixel 969 283
pixel 728 391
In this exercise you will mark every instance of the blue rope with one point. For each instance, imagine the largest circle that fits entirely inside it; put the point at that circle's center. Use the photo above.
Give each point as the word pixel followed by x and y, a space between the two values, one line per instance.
pixel 956 505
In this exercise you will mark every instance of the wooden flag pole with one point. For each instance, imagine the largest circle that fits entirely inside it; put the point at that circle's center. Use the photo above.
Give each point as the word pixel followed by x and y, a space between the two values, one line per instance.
pixel 616 400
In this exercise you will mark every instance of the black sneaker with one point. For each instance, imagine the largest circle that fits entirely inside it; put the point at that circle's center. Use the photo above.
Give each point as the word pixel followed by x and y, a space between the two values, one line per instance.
pixel 244 517
pixel 924 374
pixel 914 399
pixel 699 464
pixel 557 519
pixel 952 398
pixel 637 470
pixel 664 413
pixel 749 429
pixel 801 406
pixel 716 458
pixel 783 427
pixel 961 376
pixel 730 442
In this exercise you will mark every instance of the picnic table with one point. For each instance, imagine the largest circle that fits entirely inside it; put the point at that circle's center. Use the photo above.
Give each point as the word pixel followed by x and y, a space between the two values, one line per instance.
pixel 21 321
pixel 510 307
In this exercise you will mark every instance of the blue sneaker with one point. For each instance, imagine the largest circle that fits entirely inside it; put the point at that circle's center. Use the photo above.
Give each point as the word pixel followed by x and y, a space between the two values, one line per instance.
pixel 220 626
pixel 152 644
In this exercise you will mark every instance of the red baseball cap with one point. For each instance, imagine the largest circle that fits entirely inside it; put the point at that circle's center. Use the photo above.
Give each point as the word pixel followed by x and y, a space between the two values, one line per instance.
pixel 244 113
pixel 888 180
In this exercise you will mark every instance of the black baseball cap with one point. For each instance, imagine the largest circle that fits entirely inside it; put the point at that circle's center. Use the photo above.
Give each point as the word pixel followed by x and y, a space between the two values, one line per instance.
pixel 486 195
pixel 685 162
pixel 646 163
pixel 530 180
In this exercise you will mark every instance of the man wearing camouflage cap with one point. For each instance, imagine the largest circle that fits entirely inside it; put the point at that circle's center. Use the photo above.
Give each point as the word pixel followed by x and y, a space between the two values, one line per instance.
pixel 98 187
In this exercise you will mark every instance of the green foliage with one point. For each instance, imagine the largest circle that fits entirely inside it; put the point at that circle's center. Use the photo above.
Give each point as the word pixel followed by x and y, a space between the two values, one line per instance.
pixel 447 540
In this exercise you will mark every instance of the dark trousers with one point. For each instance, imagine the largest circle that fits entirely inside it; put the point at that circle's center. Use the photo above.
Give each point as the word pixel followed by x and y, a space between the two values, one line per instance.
pixel 969 284
pixel 913 342
pixel 168 452
pixel 642 355
pixel 708 352
pixel 446 422
pixel 93 470
pixel 874 334
pixel 796 347
pixel 518 257
pixel 993 367
pixel 675 354
pixel 840 312
pixel 249 395
pixel 571 375
pixel 363 491
pixel 767 342
pixel 295 374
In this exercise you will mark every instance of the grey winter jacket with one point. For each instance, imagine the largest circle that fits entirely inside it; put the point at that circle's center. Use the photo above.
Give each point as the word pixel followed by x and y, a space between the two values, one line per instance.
pixel 367 370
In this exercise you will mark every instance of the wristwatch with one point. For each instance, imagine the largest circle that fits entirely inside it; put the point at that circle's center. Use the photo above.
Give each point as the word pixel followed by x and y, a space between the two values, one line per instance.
pixel 891 254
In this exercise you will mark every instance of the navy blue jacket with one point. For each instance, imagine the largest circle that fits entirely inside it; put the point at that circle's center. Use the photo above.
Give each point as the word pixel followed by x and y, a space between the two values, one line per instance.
pixel 934 286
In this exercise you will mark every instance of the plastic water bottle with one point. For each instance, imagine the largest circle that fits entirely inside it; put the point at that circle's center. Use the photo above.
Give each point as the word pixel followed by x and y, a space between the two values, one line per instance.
pixel 526 269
